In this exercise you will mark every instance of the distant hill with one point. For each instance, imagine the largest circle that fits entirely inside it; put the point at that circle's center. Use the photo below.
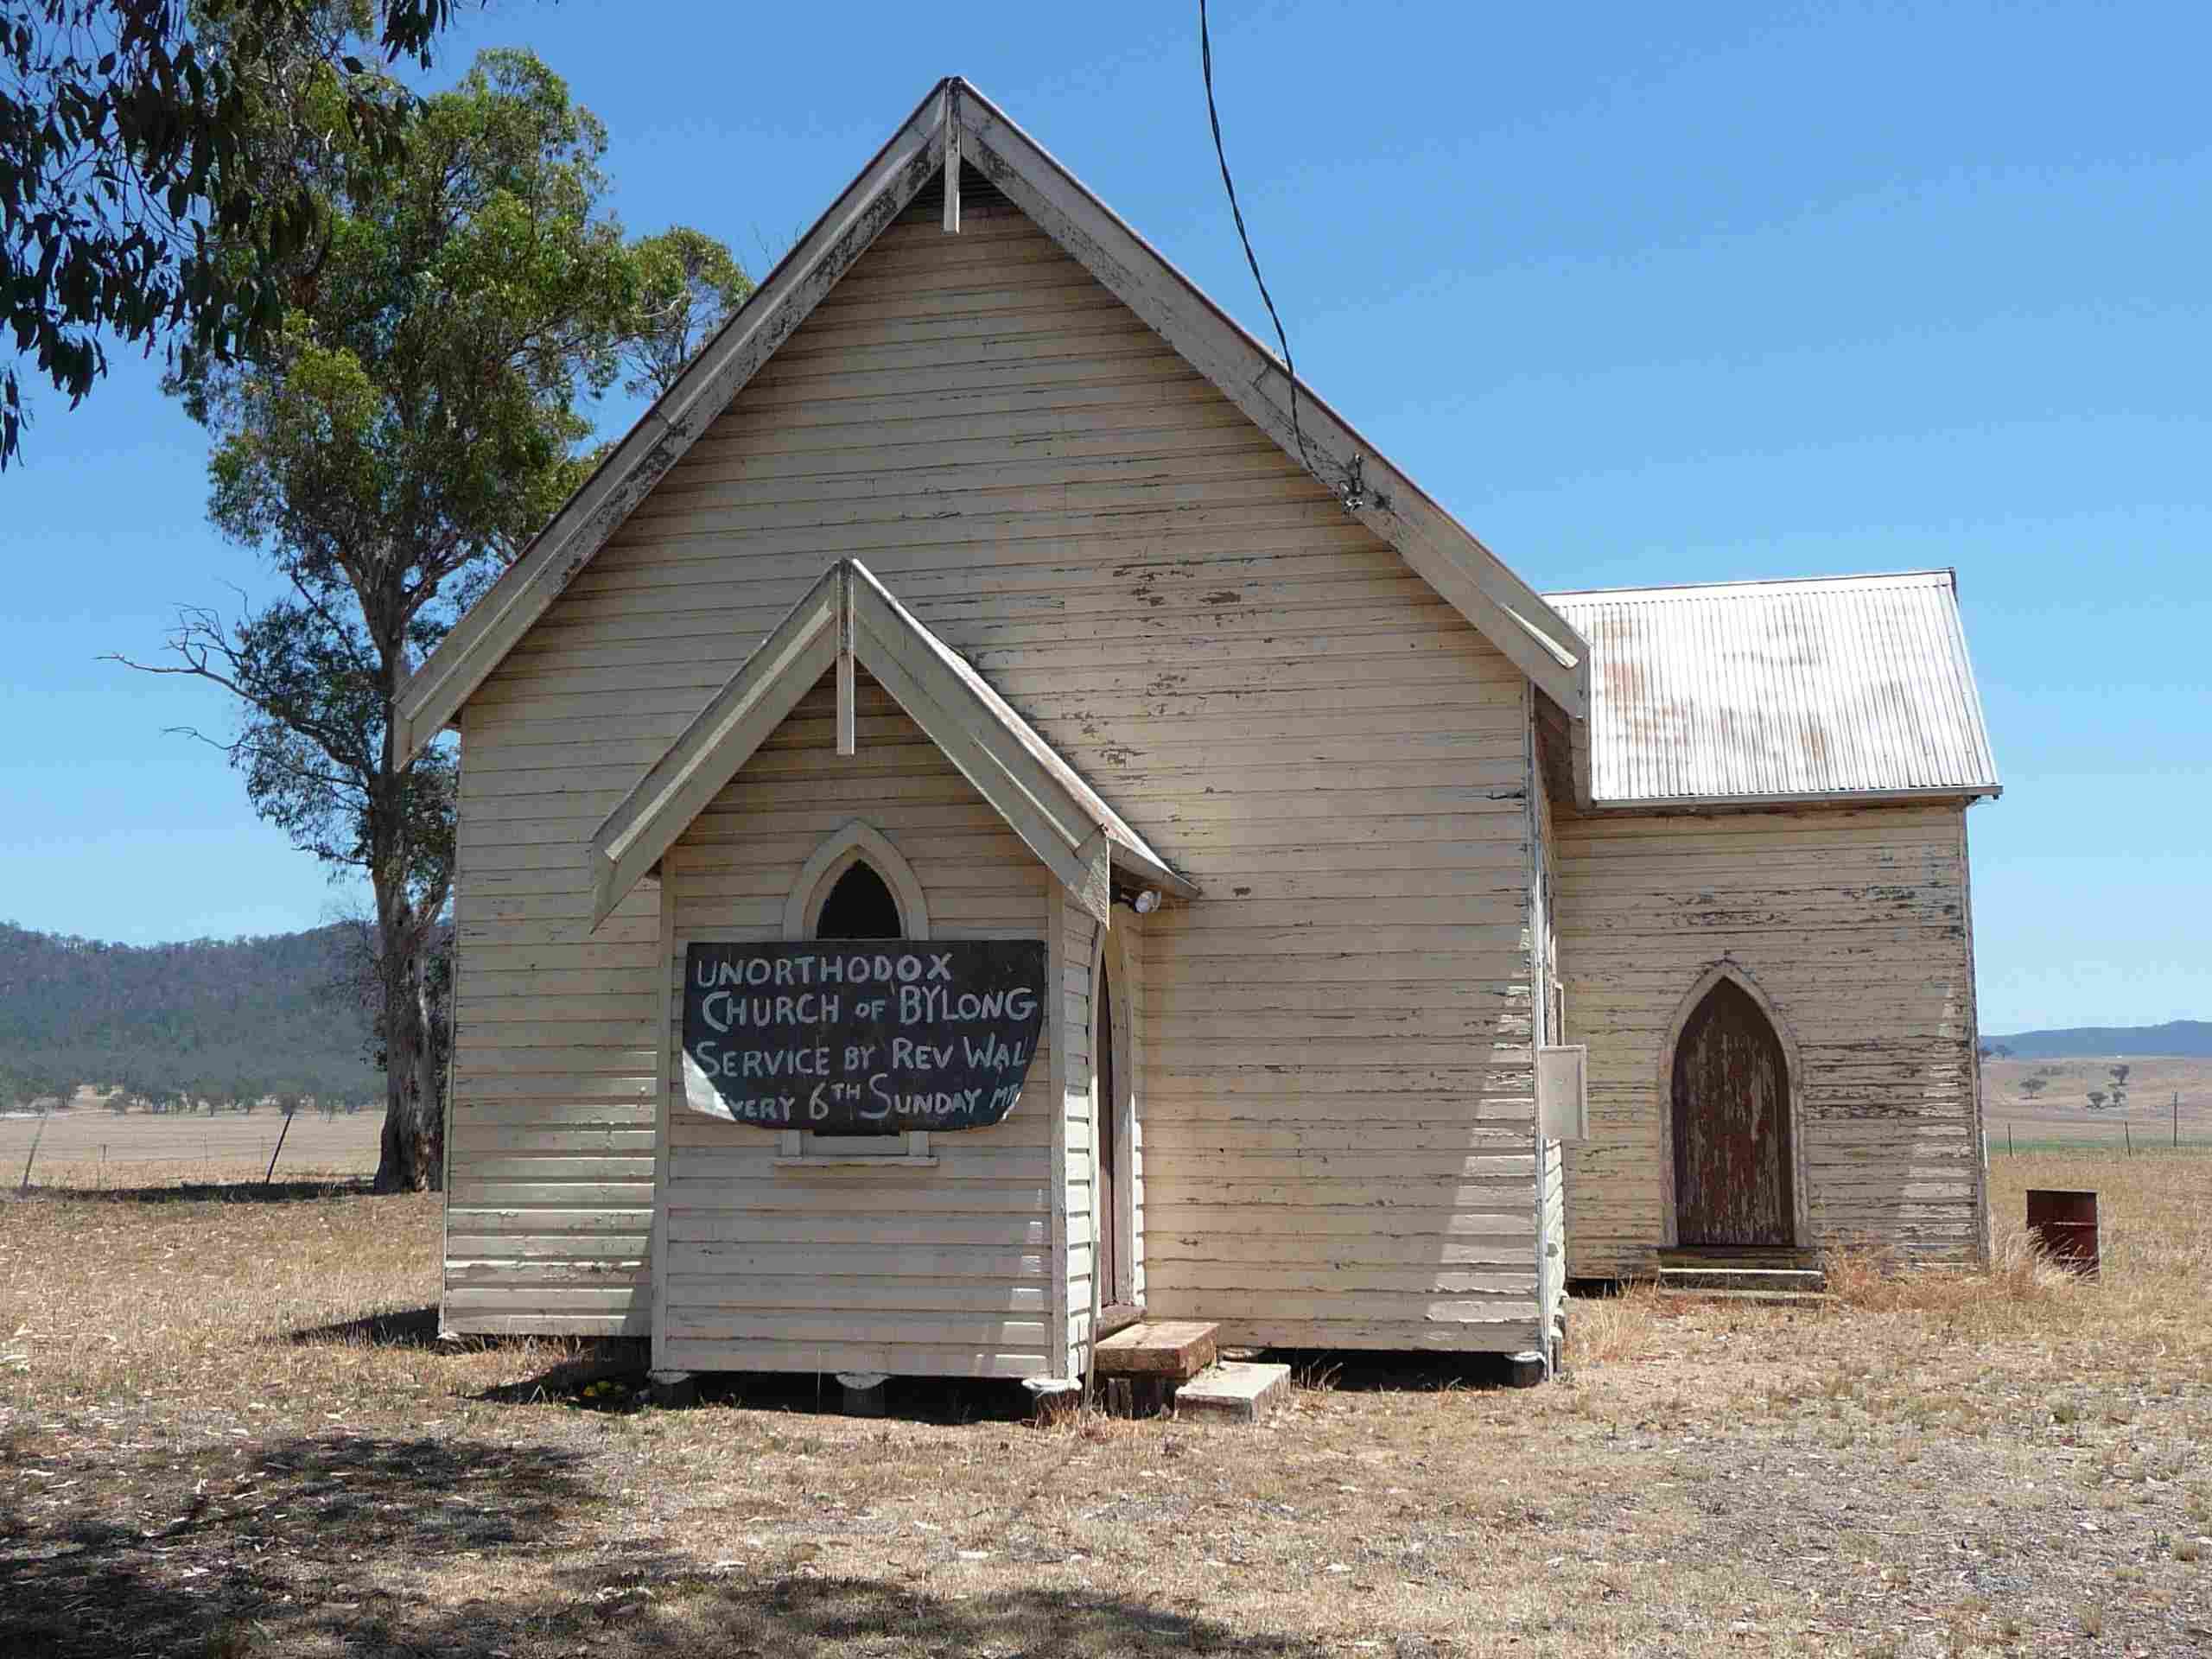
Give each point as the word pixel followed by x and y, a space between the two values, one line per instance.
pixel 2192 1038
pixel 204 1020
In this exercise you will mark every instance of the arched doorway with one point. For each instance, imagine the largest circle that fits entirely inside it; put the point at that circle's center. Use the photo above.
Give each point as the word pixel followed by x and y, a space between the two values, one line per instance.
pixel 1733 1162
pixel 1113 1241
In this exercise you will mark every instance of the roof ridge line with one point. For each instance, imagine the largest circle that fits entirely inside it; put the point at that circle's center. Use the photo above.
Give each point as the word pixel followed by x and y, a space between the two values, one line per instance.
pixel 1945 570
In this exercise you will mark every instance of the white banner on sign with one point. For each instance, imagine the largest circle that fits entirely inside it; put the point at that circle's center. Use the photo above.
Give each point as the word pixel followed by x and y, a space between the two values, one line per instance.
pixel 700 1093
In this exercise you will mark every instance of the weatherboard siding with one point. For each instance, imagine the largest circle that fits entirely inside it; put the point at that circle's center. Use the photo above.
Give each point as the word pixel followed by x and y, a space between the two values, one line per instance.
pixel 1853 923
pixel 1335 1055
pixel 551 1133
pixel 910 1270
pixel 1338 1115
pixel 1551 1267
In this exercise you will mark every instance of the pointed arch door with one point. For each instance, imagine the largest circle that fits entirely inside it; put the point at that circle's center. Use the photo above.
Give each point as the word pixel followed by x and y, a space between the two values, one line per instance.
pixel 1733 1156
pixel 1113 1239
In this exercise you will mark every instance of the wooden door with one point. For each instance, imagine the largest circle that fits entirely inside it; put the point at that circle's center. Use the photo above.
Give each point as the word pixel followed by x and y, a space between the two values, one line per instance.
pixel 1732 1125
pixel 1105 1116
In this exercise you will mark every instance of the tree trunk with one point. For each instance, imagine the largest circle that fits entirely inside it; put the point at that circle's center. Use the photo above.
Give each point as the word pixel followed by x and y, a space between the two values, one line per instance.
pixel 412 1158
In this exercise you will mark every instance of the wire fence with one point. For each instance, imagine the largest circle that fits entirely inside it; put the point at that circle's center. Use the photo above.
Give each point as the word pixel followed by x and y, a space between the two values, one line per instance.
pixel 2127 1138
pixel 79 1148
pixel 82 1150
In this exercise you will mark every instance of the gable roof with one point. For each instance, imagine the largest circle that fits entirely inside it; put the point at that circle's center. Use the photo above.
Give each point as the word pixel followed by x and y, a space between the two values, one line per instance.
pixel 954 118
pixel 1851 687
pixel 1043 799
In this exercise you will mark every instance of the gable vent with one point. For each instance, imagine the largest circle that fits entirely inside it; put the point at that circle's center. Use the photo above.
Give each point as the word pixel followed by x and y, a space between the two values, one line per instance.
pixel 979 198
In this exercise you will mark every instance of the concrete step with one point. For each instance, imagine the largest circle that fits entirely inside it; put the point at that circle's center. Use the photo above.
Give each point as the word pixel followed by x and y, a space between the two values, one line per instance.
pixel 1708 1277
pixel 1770 1297
pixel 1173 1350
pixel 1233 1391
pixel 1778 1287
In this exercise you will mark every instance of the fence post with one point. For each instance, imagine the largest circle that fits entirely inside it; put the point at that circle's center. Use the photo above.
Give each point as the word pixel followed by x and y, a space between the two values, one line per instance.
pixel 281 1133
pixel 36 1139
pixel 2130 1133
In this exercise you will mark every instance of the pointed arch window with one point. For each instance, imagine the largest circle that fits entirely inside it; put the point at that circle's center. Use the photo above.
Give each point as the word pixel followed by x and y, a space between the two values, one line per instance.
pixel 858 905
pixel 856 886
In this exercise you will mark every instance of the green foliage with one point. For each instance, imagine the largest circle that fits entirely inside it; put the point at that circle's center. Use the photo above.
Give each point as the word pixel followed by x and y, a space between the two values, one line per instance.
pixel 148 157
pixel 205 1021
pixel 400 438
pixel 688 284
pixel 417 411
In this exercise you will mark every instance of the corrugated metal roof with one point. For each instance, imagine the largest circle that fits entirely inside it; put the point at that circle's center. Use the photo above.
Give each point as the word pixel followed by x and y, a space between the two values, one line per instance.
pixel 1781 690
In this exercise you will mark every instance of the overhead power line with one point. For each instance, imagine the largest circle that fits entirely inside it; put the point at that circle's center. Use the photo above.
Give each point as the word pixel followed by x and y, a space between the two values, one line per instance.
pixel 1350 495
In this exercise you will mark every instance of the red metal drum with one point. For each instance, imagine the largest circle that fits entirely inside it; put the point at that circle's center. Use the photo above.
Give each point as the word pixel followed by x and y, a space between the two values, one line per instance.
pixel 2065 1225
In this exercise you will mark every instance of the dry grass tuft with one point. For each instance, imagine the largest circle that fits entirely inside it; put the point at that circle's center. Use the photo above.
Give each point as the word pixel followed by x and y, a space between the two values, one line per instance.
pixel 2018 1277
pixel 1609 1330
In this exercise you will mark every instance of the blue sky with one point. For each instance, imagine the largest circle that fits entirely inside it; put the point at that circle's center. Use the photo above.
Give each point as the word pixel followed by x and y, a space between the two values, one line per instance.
pixel 1642 295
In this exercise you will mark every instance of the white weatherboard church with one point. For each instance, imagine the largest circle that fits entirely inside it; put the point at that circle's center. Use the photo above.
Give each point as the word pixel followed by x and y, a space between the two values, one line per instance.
pixel 1328 938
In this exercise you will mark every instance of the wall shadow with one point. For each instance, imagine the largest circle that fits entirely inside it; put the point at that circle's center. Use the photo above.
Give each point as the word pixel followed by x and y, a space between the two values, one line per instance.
pixel 280 1553
pixel 623 1361
pixel 806 1617
pixel 944 1400
pixel 260 1549
pixel 1367 1371
pixel 406 1327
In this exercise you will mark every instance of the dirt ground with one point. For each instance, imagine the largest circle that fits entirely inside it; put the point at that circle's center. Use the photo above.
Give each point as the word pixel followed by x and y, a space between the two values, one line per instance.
pixel 227 1428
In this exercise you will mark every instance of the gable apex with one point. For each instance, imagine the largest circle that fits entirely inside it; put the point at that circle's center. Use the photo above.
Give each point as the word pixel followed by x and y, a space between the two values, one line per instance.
pixel 954 119
pixel 848 614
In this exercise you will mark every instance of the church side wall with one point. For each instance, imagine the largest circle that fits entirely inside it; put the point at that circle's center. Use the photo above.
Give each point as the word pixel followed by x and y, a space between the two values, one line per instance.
pixel 1853 923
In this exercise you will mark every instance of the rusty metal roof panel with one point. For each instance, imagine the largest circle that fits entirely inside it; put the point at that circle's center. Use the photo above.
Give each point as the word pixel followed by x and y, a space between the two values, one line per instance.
pixel 1781 690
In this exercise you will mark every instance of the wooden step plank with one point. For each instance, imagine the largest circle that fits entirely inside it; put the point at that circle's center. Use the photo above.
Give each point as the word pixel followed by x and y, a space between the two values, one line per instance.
pixel 1178 1349
pixel 1735 1256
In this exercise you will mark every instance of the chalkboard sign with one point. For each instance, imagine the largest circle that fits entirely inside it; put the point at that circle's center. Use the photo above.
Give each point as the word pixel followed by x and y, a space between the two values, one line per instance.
pixel 865 1037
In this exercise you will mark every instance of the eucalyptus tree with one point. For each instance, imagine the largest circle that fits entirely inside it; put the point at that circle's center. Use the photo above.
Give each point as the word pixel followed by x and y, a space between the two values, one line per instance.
pixel 688 283
pixel 413 420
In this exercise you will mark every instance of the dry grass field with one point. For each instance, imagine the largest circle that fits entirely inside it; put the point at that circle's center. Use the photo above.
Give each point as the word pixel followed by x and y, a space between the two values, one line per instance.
pixel 227 1428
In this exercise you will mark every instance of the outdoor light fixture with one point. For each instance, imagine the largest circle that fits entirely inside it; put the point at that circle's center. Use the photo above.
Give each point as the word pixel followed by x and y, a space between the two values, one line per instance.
pixel 1148 900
